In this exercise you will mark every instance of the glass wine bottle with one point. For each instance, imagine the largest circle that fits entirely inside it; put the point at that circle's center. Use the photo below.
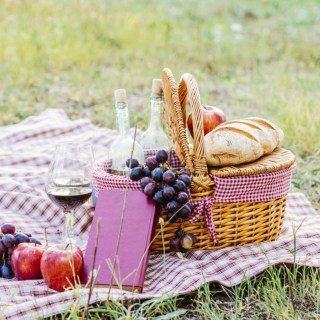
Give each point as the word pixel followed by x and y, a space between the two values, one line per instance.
pixel 155 137
pixel 124 145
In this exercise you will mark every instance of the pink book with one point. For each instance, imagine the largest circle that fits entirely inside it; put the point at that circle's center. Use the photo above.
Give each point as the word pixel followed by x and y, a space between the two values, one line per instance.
pixel 126 269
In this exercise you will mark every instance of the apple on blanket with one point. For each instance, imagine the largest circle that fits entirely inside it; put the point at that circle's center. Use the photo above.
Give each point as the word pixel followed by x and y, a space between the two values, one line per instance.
pixel 58 265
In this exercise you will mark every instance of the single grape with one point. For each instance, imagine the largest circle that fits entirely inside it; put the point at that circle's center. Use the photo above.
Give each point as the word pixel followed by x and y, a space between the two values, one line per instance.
pixel 169 192
pixel 136 173
pixel 8 240
pixel 186 179
pixel 172 217
pixel 194 238
pixel 157 174
pixel 186 241
pixel 158 197
pixel 144 181
pixel 8 228
pixel 21 237
pixel 150 189
pixel 152 163
pixel 185 171
pixel 182 197
pixel 172 206
pixel 132 163
pixel 175 245
pixel 161 156
pixel 191 206
pixel 146 171
pixel 169 176
pixel 179 233
pixel 6 272
pixel 2 248
pixel 179 185
pixel 185 213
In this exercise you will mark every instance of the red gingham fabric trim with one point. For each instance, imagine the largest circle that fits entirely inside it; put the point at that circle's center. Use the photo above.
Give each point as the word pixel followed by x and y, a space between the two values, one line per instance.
pixel 205 206
pixel 102 180
pixel 254 188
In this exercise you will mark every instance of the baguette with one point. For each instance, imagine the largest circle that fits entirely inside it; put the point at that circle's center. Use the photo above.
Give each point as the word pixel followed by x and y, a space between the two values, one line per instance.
pixel 241 141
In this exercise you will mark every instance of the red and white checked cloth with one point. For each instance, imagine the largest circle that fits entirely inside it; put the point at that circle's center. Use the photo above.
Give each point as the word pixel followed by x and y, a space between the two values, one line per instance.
pixel 102 180
pixel 255 188
pixel 25 152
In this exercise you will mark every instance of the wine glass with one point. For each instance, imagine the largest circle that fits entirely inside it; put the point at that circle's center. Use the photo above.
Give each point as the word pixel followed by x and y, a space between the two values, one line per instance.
pixel 68 182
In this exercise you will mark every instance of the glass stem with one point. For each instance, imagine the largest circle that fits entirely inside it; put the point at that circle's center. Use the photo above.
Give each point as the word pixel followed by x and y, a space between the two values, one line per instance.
pixel 68 227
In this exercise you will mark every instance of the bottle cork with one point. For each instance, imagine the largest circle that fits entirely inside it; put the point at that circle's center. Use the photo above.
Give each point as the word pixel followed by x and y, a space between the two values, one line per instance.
pixel 157 87
pixel 120 95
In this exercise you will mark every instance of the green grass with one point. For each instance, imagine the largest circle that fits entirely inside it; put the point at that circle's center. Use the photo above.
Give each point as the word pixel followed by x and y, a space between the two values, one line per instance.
pixel 258 58
pixel 279 293
pixel 249 58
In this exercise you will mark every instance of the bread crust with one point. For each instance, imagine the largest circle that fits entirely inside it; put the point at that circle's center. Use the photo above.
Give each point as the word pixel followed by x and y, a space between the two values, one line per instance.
pixel 241 141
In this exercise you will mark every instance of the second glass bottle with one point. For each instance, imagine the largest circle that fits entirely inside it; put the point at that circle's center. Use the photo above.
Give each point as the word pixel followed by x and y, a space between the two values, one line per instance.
pixel 155 137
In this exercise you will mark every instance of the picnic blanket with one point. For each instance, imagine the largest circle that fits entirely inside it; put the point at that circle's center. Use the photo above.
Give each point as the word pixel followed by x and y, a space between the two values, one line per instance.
pixel 26 149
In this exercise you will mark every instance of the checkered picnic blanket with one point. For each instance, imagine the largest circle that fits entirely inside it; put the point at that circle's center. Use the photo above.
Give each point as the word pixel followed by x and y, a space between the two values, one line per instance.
pixel 25 152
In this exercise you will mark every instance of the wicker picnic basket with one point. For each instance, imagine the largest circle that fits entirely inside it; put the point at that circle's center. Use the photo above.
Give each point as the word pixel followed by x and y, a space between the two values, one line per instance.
pixel 234 223
pixel 235 205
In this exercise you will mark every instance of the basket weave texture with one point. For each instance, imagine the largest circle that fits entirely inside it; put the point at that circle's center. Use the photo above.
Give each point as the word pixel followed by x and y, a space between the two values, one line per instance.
pixel 235 223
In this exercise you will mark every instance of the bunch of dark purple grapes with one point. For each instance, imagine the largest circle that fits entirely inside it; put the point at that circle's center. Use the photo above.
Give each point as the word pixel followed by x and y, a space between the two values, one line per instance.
pixel 166 186
pixel 8 240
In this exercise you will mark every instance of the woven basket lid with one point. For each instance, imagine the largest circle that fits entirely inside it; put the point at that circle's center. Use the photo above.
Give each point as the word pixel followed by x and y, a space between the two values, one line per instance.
pixel 279 159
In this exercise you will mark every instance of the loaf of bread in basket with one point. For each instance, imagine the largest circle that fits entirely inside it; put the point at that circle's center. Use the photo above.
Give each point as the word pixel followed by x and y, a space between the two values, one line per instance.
pixel 241 141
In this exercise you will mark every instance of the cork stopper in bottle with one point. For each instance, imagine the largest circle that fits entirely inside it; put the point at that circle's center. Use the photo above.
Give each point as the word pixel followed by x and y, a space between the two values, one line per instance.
pixel 157 87
pixel 120 95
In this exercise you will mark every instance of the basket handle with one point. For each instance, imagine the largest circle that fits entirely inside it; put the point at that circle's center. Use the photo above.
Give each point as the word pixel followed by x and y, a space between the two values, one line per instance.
pixel 174 119
pixel 188 88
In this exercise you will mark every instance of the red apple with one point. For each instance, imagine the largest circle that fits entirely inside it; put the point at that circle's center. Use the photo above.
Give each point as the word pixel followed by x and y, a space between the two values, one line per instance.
pixel 60 266
pixel 212 117
pixel 25 261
